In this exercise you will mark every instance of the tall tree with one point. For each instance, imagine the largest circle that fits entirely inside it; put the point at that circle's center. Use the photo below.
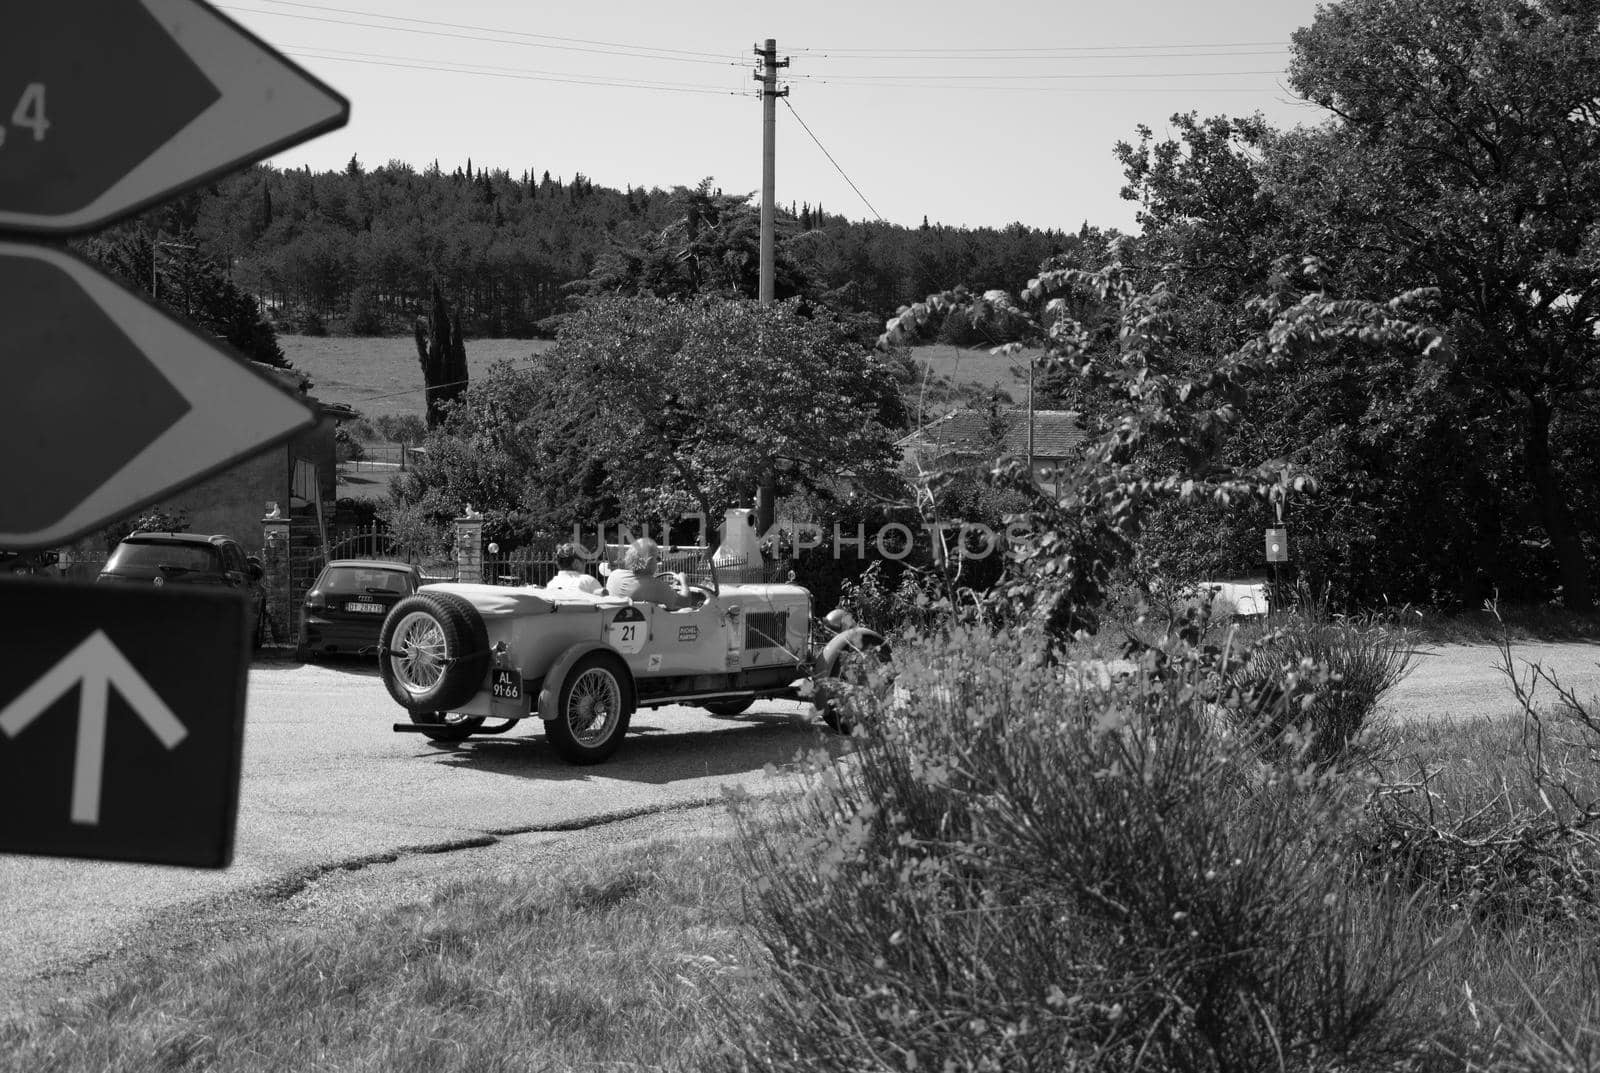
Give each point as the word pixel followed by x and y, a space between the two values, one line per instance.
pixel 689 406
pixel 442 353
pixel 1468 138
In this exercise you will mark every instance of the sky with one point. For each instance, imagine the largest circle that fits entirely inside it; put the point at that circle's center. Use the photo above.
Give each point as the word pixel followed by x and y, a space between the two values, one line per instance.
pixel 971 115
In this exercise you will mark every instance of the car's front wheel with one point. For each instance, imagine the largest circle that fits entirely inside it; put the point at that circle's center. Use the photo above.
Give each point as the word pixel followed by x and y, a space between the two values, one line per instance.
pixel 592 711
pixel 847 680
pixel 435 652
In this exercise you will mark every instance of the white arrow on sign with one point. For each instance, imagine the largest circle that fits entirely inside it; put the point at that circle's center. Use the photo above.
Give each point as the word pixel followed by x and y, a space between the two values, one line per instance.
pixel 94 666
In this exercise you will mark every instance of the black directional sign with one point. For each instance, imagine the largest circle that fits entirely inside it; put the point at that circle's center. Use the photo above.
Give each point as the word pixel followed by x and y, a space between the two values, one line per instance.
pixel 112 404
pixel 107 106
pixel 121 721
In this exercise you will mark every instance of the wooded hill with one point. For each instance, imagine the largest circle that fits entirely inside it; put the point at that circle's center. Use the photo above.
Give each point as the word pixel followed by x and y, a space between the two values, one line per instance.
pixel 357 251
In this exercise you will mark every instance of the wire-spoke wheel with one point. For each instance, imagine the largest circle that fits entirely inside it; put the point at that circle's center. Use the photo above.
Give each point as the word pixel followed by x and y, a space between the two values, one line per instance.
pixel 593 707
pixel 417 653
pixel 434 652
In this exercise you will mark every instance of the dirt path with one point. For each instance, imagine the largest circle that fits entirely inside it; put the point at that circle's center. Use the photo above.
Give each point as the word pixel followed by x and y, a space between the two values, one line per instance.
pixel 1469 682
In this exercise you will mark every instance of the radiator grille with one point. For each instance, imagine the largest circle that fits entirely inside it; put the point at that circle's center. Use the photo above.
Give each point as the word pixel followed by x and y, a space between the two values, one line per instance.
pixel 766 629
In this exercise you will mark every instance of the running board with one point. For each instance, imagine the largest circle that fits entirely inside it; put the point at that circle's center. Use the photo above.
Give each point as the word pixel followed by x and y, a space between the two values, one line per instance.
pixel 725 694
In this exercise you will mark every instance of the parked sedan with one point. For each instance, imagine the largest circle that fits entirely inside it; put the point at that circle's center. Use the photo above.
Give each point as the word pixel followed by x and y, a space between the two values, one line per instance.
pixel 345 608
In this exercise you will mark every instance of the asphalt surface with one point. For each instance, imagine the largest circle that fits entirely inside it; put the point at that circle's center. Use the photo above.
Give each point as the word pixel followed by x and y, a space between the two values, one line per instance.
pixel 1452 682
pixel 329 786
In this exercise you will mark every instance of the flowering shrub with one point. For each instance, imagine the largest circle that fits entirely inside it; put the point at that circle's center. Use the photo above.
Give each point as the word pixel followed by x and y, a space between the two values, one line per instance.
pixel 1021 868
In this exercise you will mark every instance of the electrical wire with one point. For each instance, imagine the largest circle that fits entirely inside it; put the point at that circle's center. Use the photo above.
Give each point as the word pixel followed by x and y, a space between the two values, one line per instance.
pixel 949 53
pixel 720 57
pixel 832 161
pixel 499 40
pixel 847 79
pixel 418 64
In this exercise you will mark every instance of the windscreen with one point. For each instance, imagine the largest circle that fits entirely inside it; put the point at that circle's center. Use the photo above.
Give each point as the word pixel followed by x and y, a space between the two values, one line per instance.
pixel 363 579
pixel 172 557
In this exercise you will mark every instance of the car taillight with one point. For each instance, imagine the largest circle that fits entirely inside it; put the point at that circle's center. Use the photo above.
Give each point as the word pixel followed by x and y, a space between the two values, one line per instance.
pixel 315 601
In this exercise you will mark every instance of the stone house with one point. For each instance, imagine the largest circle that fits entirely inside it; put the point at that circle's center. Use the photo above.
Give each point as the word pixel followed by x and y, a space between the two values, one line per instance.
pixel 980 438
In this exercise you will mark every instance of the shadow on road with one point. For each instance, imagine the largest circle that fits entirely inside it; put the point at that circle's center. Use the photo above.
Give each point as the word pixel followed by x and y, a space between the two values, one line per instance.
pixel 356 666
pixel 652 754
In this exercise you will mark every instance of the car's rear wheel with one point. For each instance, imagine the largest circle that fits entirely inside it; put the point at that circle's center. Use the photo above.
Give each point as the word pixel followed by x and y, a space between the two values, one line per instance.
pixel 728 707
pixel 435 652
pixel 450 726
pixel 593 708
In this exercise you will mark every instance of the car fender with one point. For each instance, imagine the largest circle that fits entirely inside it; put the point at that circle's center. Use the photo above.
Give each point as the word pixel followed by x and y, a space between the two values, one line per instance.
pixel 557 674
pixel 855 637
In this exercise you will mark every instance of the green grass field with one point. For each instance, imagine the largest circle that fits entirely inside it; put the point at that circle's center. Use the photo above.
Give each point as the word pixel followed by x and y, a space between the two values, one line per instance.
pixel 381 376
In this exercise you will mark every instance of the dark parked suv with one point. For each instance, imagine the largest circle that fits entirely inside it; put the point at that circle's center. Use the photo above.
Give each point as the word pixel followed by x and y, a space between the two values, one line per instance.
pixel 215 561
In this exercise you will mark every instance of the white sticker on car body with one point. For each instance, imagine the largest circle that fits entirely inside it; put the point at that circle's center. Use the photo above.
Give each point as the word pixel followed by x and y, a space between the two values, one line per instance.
pixel 628 631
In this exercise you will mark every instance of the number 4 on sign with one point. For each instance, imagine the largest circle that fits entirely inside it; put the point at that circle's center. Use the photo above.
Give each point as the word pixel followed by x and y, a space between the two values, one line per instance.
pixel 29 112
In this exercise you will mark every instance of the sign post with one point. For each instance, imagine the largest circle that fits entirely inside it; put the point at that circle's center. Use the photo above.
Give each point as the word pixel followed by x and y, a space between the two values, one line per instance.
pixel 122 710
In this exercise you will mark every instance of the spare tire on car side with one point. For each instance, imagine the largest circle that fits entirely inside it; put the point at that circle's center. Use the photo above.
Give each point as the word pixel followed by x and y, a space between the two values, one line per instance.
pixel 434 652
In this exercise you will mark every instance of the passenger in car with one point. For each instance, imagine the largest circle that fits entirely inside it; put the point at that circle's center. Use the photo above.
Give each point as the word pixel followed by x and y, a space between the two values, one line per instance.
pixel 568 577
pixel 637 580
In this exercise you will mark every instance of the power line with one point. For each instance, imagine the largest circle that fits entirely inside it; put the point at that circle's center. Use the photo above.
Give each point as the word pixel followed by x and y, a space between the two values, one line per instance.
pixel 418 64
pixel 949 52
pixel 849 79
pixel 720 57
pixel 834 162
pixel 1057 57
pixel 498 40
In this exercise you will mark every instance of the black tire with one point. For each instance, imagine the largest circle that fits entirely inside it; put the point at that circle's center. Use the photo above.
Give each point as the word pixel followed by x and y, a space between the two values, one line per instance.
pixel 433 652
pixel 849 671
pixel 728 707
pixel 599 682
pixel 451 727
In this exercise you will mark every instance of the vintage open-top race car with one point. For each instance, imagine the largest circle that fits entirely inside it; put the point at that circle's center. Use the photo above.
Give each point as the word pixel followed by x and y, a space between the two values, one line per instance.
pixel 457 655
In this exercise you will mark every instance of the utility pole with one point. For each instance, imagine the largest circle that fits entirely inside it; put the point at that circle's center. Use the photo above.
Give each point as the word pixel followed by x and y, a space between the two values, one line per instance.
pixel 766 490
pixel 768 77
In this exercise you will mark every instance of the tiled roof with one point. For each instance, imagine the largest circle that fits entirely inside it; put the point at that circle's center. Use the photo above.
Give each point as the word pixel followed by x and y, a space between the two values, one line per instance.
pixel 1055 433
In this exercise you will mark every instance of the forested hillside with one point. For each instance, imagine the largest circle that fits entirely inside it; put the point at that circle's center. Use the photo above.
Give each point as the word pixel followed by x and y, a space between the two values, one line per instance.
pixel 356 251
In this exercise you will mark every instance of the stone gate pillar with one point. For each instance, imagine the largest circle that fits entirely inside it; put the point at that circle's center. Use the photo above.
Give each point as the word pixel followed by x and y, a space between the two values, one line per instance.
pixel 469 546
pixel 280 626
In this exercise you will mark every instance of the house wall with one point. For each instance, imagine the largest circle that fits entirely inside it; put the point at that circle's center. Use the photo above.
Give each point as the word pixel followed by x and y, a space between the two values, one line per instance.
pixel 234 501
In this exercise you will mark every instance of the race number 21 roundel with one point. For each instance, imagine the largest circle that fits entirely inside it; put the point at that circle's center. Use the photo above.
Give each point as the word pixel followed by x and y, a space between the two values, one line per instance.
pixel 627 631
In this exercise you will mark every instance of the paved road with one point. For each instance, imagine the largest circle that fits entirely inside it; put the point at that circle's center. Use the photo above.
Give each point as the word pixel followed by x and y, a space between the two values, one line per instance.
pixel 1467 681
pixel 328 784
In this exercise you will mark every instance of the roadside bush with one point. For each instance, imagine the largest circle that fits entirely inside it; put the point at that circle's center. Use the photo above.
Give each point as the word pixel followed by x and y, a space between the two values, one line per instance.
pixel 347 447
pixel 1359 659
pixel 402 428
pixel 1018 871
